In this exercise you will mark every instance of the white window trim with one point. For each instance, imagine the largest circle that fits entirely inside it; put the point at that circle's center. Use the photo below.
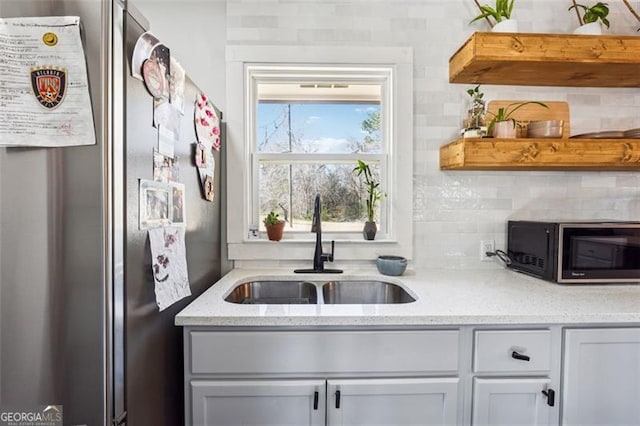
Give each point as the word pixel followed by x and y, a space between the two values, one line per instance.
pixel 239 208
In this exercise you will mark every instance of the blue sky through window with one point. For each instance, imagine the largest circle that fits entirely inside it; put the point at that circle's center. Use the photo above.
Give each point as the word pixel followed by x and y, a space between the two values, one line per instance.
pixel 321 127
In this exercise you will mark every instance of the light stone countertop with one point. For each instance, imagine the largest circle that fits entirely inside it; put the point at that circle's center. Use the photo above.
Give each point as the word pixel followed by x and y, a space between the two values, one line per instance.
pixel 444 297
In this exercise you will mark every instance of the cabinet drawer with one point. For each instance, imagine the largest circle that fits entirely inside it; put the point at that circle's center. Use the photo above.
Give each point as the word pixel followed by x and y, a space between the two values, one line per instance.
pixel 494 351
pixel 353 352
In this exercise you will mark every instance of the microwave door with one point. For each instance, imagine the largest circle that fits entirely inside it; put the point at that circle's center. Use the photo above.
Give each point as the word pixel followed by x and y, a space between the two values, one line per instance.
pixel 600 254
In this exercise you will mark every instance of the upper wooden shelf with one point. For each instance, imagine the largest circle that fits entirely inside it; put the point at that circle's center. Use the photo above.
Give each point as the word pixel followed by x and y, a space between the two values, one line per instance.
pixel 528 59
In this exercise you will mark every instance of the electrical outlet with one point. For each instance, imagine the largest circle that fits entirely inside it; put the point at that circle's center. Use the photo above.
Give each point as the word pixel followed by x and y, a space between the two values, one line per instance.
pixel 485 246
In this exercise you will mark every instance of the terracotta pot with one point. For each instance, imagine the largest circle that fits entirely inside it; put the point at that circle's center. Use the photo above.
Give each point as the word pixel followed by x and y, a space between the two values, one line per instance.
pixel 504 130
pixel 274 232
pixel 369 230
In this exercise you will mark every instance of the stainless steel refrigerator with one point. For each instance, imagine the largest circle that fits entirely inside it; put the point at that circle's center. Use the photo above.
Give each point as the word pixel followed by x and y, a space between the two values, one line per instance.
pixel 79 325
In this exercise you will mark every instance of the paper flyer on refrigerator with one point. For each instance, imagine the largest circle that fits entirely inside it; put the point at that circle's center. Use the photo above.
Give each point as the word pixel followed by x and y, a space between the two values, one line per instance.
pixel 44 89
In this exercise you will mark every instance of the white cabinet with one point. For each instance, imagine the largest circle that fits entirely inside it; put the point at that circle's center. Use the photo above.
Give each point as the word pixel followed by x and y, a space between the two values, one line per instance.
pixel 601 377
pixel 352 402
pixel 258 402
pixel 510 401
pixel 472 376
pixel 512 369
pixel 512 351
pixel 280 377
pixel 398 402
pixel 369 352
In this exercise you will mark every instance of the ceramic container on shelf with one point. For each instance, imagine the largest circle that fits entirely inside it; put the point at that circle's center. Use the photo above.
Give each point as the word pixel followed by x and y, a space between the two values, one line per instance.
pixel 504 130
pixel 391 265
pixel 545 129
pixel 592 28
pixel 506 26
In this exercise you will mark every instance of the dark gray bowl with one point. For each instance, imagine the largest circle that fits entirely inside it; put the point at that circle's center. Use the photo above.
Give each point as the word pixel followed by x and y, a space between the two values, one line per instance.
pixel 391 265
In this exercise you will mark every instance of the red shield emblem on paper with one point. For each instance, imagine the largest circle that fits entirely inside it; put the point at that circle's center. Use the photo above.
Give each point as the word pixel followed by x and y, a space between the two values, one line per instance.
pixel 49 86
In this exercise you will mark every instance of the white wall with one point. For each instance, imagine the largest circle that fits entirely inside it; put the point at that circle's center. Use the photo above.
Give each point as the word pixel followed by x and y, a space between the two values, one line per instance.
pixel 452 211
pixel 194 31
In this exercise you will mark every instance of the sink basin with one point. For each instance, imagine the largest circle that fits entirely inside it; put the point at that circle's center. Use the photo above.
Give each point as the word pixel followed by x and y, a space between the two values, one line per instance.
pixel 274 293
pixel 364 292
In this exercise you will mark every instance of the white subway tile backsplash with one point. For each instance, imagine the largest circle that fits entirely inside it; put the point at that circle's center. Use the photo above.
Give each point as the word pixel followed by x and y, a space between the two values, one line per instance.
pixel 453 211
pixel 598 180
pixel 249 21
pixel 315 35
pixel 408 24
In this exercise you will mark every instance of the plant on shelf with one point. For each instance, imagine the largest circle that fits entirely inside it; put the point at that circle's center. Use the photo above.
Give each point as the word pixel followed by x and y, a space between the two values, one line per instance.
pixel 373 196
pixel 591 15
pixel 501 13
pixel 503 125
pixel 476 110
pixel 274 226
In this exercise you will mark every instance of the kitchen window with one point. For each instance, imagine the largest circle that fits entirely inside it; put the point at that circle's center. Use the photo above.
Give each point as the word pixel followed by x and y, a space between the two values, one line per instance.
pixel 297 124
pixel 309 127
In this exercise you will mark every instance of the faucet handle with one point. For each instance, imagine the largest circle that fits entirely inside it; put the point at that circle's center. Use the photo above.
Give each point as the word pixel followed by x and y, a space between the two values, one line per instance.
pixel 329 256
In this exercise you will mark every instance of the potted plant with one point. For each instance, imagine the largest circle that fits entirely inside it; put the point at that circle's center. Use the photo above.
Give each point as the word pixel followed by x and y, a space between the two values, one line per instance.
pixel 589 20
pixel 501 13
pixel 275 226
pixel 373 196
pixel 476 110
pixel 503 125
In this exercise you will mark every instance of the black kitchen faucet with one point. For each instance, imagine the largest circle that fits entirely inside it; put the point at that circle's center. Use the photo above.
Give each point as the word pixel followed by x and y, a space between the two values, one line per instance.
pixel 318 256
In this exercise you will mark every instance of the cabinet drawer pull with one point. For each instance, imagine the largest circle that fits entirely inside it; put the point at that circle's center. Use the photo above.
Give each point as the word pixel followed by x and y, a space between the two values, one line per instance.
pixel 521 357
pixel 337 399
pixel 315 400
pixel 551 397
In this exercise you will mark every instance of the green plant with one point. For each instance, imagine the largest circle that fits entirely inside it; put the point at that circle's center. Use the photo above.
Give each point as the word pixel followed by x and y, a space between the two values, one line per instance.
pixel 373 188
pixel 476 110
pixel 502 11
pixel 475 93
pixel 505 113
pixel 271 219
pixel 592 14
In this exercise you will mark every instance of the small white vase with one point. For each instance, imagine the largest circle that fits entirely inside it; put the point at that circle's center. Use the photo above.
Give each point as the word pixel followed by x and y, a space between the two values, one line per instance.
pixel 506 26
pixel 504 130
pixel 592 28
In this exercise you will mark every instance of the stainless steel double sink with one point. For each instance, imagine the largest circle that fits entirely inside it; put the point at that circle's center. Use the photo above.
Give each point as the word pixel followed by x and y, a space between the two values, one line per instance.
pixel 305 292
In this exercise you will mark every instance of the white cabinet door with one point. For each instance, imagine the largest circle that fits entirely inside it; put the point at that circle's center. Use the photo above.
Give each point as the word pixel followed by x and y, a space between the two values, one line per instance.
pixel 511 401
pixel 397 402
pixel 602 377
pixel 258 402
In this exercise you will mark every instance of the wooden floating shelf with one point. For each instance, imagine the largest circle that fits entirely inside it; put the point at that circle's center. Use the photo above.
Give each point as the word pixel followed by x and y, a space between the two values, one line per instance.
pixel 541 154
pixel 528 59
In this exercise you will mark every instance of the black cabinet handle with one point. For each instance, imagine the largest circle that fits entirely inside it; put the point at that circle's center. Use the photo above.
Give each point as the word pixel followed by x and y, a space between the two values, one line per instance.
pixel 337 399
pixel 521 357
pixel 315 400
pixel 551 397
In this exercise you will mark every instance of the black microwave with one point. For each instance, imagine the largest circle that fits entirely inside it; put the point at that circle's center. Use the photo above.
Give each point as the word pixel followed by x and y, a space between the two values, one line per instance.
pixel 575 252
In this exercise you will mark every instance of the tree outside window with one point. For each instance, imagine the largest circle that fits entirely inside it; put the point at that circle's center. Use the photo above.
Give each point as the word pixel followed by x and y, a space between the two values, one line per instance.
pixel 308 147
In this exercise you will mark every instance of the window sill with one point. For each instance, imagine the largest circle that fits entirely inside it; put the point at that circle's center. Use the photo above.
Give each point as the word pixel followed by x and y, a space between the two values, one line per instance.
pixel 303 249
